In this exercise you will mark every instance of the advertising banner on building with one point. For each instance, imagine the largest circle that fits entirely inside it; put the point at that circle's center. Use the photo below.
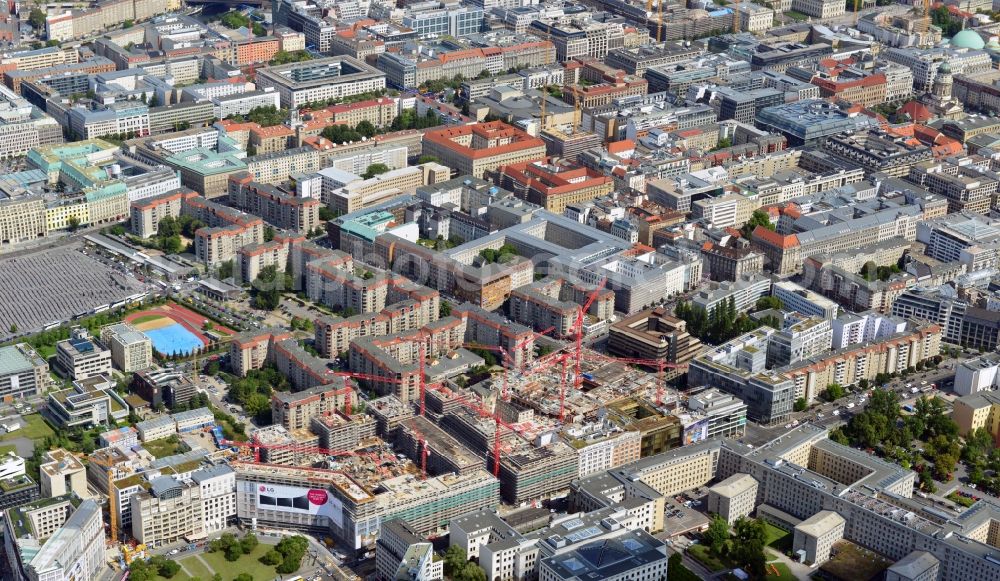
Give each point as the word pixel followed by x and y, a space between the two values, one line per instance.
pixel 313 501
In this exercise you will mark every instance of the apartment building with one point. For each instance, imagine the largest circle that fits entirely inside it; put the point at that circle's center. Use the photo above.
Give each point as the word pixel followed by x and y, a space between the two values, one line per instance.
pixel 80 357
pixel 740 367
pixel 277 207
pixel 131 351
pixel 482 147
pixel 408 307
pixel 147 213
pixel 253 258
pixel 295 411
pixel 251 349
pixel 226 231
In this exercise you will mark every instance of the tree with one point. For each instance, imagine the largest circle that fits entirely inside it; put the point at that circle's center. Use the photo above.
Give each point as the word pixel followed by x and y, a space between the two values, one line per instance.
pixel 748 545
pixel 326 214
pixel 225 270
pixel 73 223
pixel 455 559
pixel 268 233
pixel 374 170
pixel 234 552
pixel 37 19
pixel 243 577
pixel 154 101
pixel 249 542
pixel 717 533
pixel 271 557
pixel 800 404
pixel 13 326
pixel 769 302
pixel 428 158
pixel 444 310
pixel 834 391
pixel 169 568
pixel 366 129
pixel 758 218
pixel 267 294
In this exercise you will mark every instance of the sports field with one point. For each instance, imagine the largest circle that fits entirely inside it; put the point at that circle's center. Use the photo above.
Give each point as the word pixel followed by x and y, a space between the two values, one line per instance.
pixel 174 329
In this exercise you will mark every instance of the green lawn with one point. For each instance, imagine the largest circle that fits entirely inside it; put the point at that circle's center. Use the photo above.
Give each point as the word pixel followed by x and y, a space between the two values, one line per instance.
pixel 162 448
pixel 785 572
pixel 704 555
pixel 196 568
pixel 8 448
pixel 960 500
pixel 36 429
pixel 778 539
pixel 246 564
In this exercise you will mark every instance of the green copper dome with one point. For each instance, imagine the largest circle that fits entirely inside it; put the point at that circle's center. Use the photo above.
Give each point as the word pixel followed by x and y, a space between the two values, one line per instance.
pixel 968 39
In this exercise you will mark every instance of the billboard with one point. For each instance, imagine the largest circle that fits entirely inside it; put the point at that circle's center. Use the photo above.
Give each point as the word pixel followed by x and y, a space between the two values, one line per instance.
pixel 696 431
pixel 296 499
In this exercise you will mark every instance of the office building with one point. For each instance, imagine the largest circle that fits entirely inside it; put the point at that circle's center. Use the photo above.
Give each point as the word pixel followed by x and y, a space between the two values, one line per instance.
pixel 88 403
pixel 23 372
pixel 815 536
pixel 80 357
pixel 634 555
pixel 916 566
pixel 131 351
pixel 795 298
pixel 723 263
pixel 168 511
pixel 810 120
pixel 351 513
pixel 733 498
pixel 726 413
pixel 653 335
pixel 57 538
pixel 482 147
pixel 554 186
pixel 976 375
pixel 156 428
pixel 62 473
pixel 218 496
pixel 320 80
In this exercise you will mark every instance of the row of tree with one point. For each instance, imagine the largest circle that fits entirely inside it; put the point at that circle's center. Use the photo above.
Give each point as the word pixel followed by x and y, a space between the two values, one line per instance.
pixel 722 324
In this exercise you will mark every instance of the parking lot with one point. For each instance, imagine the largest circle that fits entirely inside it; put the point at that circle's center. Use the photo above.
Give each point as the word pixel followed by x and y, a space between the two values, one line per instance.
pixel 56 285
